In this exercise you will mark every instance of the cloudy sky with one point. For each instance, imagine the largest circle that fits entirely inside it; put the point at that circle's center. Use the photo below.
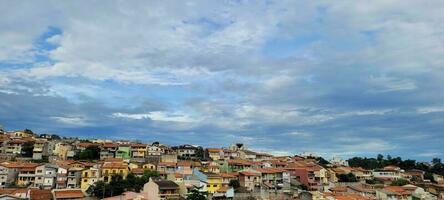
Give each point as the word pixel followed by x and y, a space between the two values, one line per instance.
pixel 333 77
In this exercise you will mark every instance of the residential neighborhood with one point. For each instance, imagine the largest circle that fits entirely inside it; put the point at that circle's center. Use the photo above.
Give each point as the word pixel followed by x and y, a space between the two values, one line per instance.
pixel 47 166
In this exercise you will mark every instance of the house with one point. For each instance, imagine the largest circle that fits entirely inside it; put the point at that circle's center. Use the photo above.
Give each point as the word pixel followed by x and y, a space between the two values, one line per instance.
pixel 155 150
pixel 166 167
pixel 274 178
pixel 362 189
pixel 414 175
pixel 184 167
pixel 26 175
pixel 74 177
pixel 247 155
pixel 8 173
pixel 149 166
pixel 362 174
pixel 14 146
pixel 89 177
pixel 123 151
pixel 387 174
pixel 62 176
pixel 214 182
pixel 187 151
pixel 305 176
pixel 108 150
pixel 227 177
pixel 138 150
pixel 63 150
pixel 250 180
pixel 45 176
pixel 113 168
pixel 40 149
pixel 393 193
pixel 239 165
pixel 19 134
pixel 161 189
pixel 215 153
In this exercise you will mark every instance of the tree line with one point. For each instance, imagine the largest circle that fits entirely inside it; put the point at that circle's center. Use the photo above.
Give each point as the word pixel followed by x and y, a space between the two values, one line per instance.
pixel 435 167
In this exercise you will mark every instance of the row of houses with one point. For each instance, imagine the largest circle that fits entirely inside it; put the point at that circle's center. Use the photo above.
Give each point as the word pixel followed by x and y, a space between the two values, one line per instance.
pixel 186 167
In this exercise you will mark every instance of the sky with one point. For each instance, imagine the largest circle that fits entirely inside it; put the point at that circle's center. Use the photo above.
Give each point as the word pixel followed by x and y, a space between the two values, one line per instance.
pixel 335 78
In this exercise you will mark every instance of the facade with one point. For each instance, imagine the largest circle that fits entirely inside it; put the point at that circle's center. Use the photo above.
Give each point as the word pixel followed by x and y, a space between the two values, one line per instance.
pixel 89 177
pixel 45 176
pixel 74 177
pixel 113 168
pixel 161 189
pixel 123 151
pixel 250 180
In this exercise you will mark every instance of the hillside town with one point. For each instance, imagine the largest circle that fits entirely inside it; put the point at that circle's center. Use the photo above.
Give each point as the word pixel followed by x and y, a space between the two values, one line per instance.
pixel 44 166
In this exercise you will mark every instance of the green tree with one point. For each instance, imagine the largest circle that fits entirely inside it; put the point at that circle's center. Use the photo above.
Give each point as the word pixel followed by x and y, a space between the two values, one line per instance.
pixel 197 195
pixel 321 161
pixel 90 153
pixel 28 131
pixel 347 177
pixel 27 149
pixel 234 183
pixel 436 161
pixel 399 182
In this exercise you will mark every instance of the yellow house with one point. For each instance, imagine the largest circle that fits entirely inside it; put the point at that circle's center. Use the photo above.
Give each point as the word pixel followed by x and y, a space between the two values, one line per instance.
pixel 138 150
pixel 89 177
pixel 149 166
pixel 214 182
pixel 112 168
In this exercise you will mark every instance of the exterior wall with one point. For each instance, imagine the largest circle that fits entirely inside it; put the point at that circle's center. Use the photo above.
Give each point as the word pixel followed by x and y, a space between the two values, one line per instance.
pixel 214 184
pixel 61 179
pixel 152 190
pixel 386 174
pixel 123 152
pixel 89 177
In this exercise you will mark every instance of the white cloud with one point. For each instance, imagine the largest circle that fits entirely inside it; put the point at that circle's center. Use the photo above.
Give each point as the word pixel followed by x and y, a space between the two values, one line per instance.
pixel 72 120
pixel 158 116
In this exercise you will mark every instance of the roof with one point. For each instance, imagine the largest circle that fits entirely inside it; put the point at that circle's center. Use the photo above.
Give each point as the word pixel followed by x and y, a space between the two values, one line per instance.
pixel 68 194
pixel 214 150
pixel 166 184
pixel 37 194
pixel 247 173
pixel 168 164
pixel 110 145
pixel 397 190
pixel 228 175
pixel 270 170
pixel 138 170
pixel 138 145
pixel 350 197
pixel 16 142
pixel 184 163
pixel 114 165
